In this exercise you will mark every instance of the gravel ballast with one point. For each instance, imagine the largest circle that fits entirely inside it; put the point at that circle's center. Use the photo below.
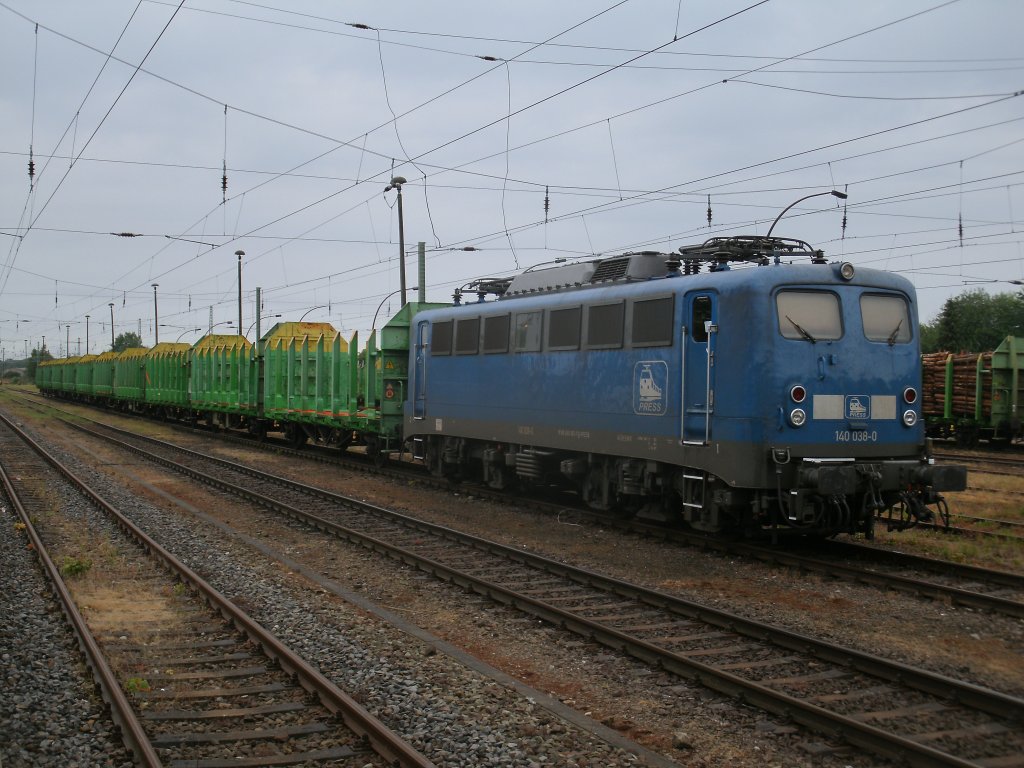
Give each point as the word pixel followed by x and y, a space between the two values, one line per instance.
pixel 50 713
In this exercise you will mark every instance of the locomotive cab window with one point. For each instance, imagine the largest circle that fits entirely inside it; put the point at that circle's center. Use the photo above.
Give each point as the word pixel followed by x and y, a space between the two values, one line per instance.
pixel 564 328
pixel 441 338
pixel 528 327
pixel 700 315
pixel 496 334
pixel 652 322
pixel 809 315
pixel 467 336
pixel 885 318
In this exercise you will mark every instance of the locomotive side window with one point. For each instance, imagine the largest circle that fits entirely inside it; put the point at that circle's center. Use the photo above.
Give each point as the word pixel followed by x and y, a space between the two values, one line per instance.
pixel 467 336
pixel 701 314
pixel 496 334
pixel 528 327
pixel 564 328
pixel 652 322
pixel 441 338
pixel 809 315
pixel 885 318
pixel 604 325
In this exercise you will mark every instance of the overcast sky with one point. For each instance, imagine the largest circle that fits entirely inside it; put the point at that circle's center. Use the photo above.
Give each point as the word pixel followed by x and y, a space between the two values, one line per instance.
pixel 622 116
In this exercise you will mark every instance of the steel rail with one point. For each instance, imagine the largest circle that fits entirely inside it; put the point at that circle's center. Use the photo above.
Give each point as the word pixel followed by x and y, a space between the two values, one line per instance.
pixel 121 710
pixel 383 740
pixel 906 584
pixel 813 716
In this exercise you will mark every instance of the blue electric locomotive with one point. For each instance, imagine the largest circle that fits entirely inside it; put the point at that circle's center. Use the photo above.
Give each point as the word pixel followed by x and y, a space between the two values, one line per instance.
pixel 758 394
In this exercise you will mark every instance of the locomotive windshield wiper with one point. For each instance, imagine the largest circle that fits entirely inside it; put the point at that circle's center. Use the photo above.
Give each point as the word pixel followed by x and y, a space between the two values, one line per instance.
pixel 895 332
pixel 801 330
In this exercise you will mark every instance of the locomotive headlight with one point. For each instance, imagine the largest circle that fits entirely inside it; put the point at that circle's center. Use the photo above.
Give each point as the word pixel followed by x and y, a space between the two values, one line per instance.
pixel 798 393
pixel 846 271
pixel 797 417
pixel 910 395
pixel 909 418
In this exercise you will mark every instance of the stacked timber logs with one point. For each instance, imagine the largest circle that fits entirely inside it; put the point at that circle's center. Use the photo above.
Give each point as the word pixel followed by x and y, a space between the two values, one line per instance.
pixel 933 383
pixel 965 374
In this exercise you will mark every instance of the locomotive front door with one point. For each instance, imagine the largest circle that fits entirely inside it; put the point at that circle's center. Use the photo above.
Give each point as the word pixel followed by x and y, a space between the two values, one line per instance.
pixel 419 400
pixel 700 329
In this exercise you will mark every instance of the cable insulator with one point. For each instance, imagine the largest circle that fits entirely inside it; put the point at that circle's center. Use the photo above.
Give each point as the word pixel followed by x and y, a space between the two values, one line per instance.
pixel 961 229
pixel 709 210
pixel 846 189
pixel 31 168
pixel 547 204
pixel 224 184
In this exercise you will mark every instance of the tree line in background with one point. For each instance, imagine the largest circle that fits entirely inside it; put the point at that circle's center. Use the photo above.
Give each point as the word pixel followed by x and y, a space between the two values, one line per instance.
pixel 974 321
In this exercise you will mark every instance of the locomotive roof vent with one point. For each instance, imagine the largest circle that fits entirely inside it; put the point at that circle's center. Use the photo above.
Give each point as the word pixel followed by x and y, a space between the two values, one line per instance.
pixel 625 267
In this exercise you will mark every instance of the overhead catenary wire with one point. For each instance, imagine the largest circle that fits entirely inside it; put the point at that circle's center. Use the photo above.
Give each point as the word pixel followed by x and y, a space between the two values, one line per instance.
pixel 589 47
pixel 508 188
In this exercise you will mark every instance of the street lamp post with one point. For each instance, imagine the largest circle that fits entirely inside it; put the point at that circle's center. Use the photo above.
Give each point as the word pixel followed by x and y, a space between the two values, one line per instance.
pixel 87 334
pixel 264 317
pixel 374 326
pixel 396 183
pixel 833 192
pixel 240 254
pixel 156 318
pixel 111 305
pixel 310 310
pixel 67 344
pixel 187 330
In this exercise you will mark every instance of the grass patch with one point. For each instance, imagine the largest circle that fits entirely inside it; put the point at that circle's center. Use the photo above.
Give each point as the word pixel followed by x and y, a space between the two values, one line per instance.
pixel 136 685
pixel 72 567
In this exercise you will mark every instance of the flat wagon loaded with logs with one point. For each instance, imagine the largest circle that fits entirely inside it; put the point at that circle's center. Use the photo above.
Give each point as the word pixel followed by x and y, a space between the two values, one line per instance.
pixel 974 396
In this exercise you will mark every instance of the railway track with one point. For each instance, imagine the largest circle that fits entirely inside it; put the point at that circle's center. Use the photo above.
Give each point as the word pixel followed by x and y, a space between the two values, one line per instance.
pixel 205 686
pixel 959 584
pixel 885 707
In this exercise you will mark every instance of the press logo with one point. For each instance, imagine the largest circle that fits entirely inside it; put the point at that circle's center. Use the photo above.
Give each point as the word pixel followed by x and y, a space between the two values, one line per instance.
pixel 858 406
pixel 650 384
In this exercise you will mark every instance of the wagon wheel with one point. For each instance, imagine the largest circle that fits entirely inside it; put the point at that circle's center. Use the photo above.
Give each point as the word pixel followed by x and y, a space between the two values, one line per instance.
pixel 295 435
pixel 258 429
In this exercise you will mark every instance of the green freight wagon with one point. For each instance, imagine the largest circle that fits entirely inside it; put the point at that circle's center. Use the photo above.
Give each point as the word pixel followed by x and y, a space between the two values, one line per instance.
pixel 63 381
pixel 383 379
pixel 83 377
pixel 166 370
pixel 224 390
pixel 103 376
pixel 307 383
pixel 129 383
pixel 45 372
pixel 975 397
